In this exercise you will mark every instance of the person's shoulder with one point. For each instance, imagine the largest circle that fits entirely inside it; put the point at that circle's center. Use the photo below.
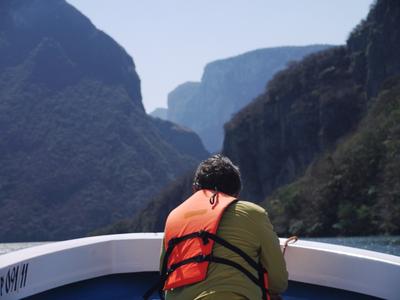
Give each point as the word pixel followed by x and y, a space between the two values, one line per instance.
pixel 249 207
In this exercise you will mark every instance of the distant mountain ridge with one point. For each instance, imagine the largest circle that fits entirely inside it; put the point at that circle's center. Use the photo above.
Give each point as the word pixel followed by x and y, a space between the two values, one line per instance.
pixel 160 113
pixel 227 85
pixel 77 150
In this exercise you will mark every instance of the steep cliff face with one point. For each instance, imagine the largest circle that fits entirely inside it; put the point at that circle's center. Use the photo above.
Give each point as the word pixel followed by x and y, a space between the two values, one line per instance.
pixel 227 86
pixel 306 109
pixel 77 150
pixel 353 190
pixel 160 113
pixel 374 46
pixel 185 141
pixel 179 101
pixel 52 38
pixel 313 110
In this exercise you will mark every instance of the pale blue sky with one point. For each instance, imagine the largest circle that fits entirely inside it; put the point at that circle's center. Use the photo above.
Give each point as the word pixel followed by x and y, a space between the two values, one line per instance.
pixel 172 40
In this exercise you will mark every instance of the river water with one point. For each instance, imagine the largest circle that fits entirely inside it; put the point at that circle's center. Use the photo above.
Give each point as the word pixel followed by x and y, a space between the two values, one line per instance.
pixel 9 247
pixel 385 244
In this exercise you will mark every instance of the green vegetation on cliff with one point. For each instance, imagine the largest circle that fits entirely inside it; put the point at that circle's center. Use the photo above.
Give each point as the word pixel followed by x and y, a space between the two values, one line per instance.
pixel 152 217
pixel 77 151
pixel 354 189
pixel 306 108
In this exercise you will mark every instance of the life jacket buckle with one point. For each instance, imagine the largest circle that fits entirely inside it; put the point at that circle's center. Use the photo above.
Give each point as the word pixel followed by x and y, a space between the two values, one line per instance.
pixel 169 271
pixel 172 242
pixel 200 258
pixel 204 237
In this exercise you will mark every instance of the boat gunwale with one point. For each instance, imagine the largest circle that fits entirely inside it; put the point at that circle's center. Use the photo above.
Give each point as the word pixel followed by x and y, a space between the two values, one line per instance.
pixel 336 266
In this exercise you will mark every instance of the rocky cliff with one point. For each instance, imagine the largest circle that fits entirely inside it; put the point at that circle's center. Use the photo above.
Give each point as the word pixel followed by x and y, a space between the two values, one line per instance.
pixel 311 105
pixel 179 101
pixel 77 150
pixel 160 113
pixel 353 188
pixel 184 140
pixel 226 86
pixel 306 108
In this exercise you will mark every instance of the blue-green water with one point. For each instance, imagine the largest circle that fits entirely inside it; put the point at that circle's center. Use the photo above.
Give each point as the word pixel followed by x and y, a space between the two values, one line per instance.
pixel 9 247
pixel 385 244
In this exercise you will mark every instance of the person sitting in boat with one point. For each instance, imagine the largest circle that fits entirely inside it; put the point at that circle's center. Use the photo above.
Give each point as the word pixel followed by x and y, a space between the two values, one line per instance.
pixel 218 247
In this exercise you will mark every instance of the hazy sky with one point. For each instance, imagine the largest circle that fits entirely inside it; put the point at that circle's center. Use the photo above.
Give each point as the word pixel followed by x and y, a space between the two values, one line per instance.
pixel 172 40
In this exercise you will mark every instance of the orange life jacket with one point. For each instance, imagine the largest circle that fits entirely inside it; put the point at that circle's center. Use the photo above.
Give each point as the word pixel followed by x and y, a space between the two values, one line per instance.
pixel 190 233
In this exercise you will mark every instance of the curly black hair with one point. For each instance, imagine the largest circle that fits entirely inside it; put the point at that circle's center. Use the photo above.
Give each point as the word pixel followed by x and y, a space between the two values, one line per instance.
pixel 218 173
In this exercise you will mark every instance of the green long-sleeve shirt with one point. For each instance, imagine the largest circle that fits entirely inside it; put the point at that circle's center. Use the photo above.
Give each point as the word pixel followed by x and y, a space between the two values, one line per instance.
pixel 247 226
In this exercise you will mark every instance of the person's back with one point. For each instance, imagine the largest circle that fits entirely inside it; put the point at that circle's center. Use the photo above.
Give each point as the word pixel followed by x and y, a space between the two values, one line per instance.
pixel 246 226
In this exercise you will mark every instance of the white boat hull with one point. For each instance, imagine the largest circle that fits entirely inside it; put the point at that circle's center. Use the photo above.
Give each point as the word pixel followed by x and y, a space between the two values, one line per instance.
pixel 34 270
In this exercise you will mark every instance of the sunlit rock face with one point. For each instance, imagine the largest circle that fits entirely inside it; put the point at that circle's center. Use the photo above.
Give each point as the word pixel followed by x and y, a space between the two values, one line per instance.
pixel 226 86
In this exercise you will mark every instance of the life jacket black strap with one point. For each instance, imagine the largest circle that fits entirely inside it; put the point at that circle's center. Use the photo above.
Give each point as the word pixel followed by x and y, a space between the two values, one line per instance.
pixel 233 248
pixel 209 258
pixel 164 266
pixel 157 287
pixel 175 241
pixel 205 236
